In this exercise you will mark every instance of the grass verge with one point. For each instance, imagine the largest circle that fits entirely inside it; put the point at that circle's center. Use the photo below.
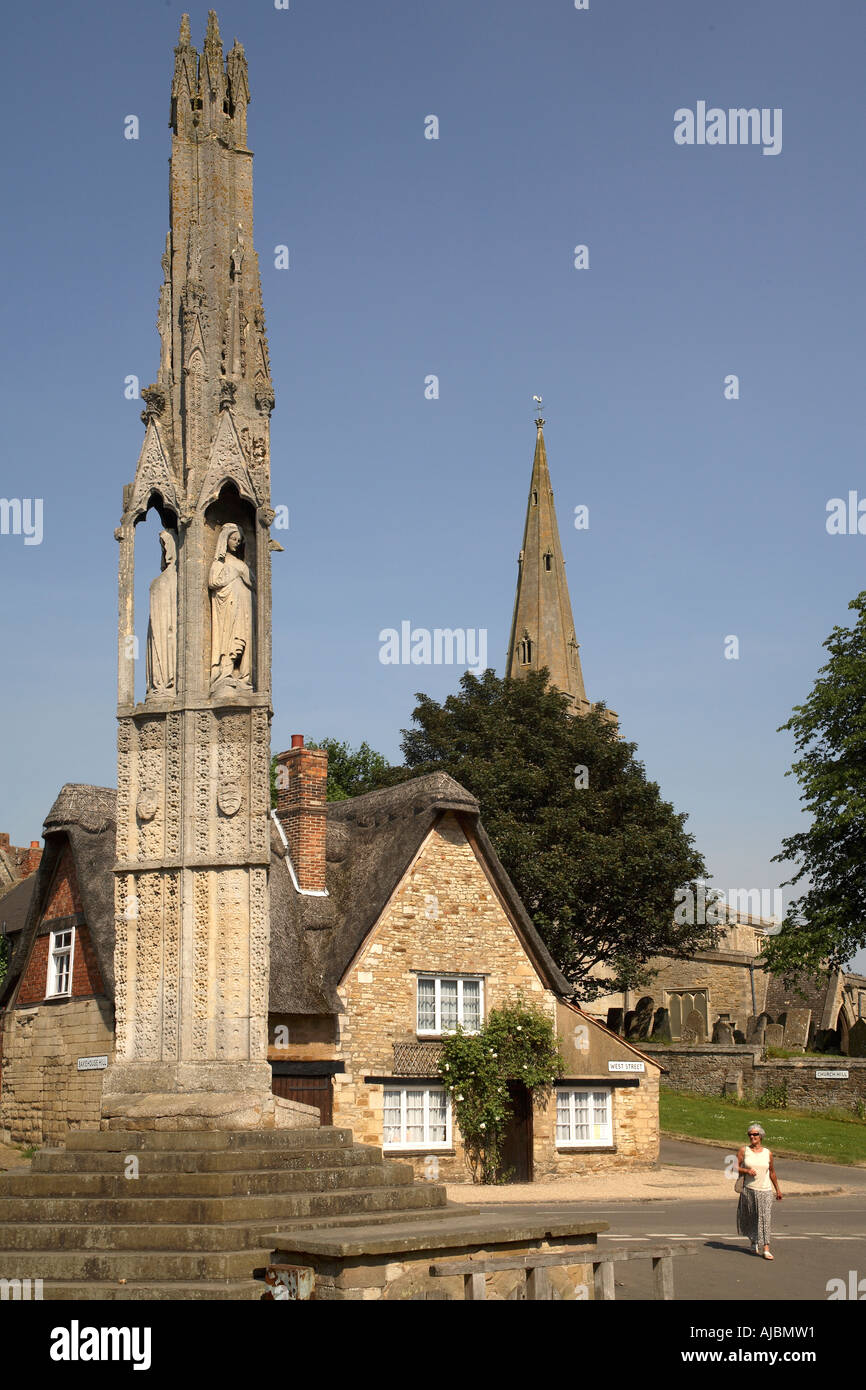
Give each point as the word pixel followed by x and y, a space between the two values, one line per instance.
pixel 800 1131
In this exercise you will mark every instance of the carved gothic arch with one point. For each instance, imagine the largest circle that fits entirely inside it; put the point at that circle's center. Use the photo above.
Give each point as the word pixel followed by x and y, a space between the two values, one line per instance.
pixel 227 464
pixel 153 474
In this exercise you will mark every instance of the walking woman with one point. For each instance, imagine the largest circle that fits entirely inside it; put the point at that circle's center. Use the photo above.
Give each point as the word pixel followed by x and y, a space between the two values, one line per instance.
pixel 758 1178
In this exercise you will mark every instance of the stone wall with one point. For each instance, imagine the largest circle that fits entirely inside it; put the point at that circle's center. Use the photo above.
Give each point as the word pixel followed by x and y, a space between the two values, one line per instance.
pixel 43 1094
pixel 705 1069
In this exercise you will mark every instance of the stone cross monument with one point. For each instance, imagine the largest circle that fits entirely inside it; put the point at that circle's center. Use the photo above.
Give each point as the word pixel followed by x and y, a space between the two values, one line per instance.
pixel 193 762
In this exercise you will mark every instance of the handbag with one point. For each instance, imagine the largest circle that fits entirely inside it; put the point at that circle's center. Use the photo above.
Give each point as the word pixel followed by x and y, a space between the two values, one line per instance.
pixel 740 1183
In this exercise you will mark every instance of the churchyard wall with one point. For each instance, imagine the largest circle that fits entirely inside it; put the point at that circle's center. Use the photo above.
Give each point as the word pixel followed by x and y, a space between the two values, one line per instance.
pixel 704 1070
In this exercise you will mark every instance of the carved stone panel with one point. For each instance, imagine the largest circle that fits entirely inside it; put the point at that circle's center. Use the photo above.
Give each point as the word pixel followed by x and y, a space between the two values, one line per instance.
pixel 202 791
pixel 201 966
pixel 171 966
pixel 232 966
pixel 232 785
pixel 260 782
pixel 173 783
pixel 125 734
pixel 146 929
pixel 150 778
pixel 259 972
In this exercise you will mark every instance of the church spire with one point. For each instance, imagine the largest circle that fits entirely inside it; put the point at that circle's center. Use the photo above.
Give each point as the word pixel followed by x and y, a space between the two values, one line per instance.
pixel 542 628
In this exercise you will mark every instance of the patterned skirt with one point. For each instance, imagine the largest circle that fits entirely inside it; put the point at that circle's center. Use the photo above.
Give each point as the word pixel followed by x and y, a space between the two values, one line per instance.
pixel 754 1213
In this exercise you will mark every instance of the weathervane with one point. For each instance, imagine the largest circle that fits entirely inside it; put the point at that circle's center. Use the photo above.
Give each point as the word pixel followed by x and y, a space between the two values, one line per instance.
pixel 538 419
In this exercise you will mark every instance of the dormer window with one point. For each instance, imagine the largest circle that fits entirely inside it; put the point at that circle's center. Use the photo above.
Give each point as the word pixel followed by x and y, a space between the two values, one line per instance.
pixel 60 963
pixel 548 561
pixel 524 651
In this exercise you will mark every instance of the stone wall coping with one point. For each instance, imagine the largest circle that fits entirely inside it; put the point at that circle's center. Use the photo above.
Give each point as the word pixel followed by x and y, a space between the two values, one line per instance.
pixel 466 1230
pixel 820 1063
pixel 705 1049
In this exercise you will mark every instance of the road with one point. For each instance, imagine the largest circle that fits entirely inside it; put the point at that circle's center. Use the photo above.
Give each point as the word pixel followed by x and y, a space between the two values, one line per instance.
pixel 815 1239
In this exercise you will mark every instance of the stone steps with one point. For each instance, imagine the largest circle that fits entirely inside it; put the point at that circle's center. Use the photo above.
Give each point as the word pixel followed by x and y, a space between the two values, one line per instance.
pixel 281 1206
pixel 243 1184
pixel 238 1291
pixel 194 1223
pixel 211 1161
pixel 200 1141
pixel 112 1266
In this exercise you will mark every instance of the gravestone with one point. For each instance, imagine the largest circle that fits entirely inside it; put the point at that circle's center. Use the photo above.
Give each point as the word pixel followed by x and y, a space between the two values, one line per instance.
pixel 723 1033
pixel 693 1029
pixel 797 1028
pixel 827 1040
pixel 774 1035
pixel 757 1029
pixel 614 1020
pixel 857 1039
pixel 628 1023
pixel 643 1019
pixel 739 1037
pixel 661 1030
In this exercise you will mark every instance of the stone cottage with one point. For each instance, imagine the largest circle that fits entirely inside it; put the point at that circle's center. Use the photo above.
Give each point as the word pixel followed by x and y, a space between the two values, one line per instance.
pixel 392 921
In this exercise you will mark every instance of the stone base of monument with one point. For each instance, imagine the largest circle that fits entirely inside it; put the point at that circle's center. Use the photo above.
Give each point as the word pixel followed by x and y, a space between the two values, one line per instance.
pixel 204 1110
pixel 197 1096
pixel 161 1214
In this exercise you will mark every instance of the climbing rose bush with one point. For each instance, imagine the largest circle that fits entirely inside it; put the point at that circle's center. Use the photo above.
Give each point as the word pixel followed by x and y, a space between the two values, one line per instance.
pixel 517 1043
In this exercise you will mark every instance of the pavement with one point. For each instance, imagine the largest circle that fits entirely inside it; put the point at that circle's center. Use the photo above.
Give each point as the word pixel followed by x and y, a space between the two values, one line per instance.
pixel 687 1171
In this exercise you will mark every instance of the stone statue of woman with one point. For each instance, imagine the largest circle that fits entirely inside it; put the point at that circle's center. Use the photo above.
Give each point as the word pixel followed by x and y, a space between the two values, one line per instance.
pixel 161 663
pixel 231 584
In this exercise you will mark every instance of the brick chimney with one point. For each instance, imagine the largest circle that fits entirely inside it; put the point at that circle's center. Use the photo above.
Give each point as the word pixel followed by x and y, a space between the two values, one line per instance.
pixel 31 859
pixel 302 778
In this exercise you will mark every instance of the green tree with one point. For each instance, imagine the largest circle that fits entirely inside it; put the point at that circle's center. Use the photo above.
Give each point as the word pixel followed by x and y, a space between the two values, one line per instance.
pixel 826 925
pixel 351 771
pixel 594 851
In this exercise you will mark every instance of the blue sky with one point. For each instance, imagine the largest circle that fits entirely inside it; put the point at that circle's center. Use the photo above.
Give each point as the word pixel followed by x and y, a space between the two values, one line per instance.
pixel 454 257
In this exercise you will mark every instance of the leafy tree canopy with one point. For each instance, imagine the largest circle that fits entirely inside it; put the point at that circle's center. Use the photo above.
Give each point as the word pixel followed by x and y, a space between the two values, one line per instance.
pixel 594 851
pixel 826 925
pixel 351 771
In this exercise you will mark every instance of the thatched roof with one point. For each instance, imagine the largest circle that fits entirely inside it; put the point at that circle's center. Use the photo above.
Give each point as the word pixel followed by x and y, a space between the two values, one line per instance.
pixel 371 841
pixel 83 817
pixel 15 905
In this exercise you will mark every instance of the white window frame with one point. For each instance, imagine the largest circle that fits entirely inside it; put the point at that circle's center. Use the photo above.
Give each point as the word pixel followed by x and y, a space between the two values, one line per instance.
pixel 593 1142
pixel 54 951
pixel 422 1145
pixel 438 1031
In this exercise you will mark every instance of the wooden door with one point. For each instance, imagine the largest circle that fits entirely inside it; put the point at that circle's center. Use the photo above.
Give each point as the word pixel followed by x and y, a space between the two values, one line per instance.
pixel 307 1090
pixel 516 1161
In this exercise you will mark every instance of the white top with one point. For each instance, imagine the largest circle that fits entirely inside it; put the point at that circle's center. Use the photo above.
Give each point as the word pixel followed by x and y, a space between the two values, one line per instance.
pixel 759 1161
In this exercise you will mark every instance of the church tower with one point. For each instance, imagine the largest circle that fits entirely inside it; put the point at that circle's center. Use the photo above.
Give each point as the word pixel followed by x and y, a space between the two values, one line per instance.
pixel 193 789
pixel 542 628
